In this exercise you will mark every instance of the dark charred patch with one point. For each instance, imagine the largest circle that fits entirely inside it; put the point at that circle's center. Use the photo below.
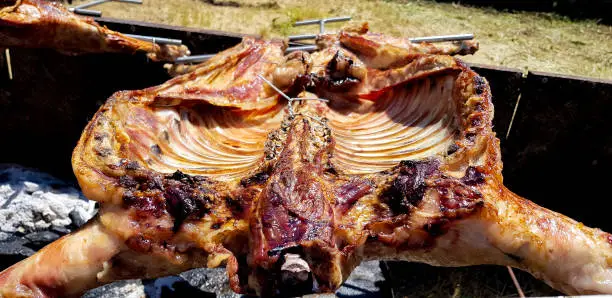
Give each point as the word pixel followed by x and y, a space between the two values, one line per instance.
pixel 216 226
pixel 479 85
pixel 476 121
pixel 165 136
pixel 100 136
pixel 452 149
pixel 457 199
pixel 473 176
pixel 300 84
pixel 145 204
pixel 184 116
pixel 408 188
pixel 154 182
pixel 155 149
pixel 436 227
pixel 470 136
pixel 180 195
pixel 186 200
pixel 182 177
pixel 128 181
pixel 132 165
pixel 256 179
pixel 234 205
pixel 338 66
pixel 103 151
pixel 514 257
pixel 338 77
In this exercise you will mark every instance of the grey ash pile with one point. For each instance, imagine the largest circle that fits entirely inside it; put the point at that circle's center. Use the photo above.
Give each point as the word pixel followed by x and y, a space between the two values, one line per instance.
pixel 36 209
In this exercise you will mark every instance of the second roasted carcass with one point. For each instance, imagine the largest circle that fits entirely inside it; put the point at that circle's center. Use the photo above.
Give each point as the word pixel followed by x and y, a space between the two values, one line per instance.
pixel 385 151
pixel 48 24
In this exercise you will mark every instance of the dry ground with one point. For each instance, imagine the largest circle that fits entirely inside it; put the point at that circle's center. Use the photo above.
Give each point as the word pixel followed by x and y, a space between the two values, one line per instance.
pixel 529 41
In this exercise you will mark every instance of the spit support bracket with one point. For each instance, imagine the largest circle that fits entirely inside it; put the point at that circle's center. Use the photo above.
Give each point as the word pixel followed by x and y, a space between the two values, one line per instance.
pixel 321 23
pixel 81 9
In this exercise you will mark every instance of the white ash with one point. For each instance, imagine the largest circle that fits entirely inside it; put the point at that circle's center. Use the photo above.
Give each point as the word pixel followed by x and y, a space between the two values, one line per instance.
pixel 125 289
pixel 212 280
pixel 32 201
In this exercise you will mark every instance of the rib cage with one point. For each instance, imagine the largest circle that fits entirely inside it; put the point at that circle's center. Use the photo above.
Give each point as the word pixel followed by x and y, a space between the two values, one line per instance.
pixel 200 140
pixel 412 122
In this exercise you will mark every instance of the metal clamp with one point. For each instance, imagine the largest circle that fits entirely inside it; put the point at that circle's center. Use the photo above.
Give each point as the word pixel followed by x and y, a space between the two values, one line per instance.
pixel 321 23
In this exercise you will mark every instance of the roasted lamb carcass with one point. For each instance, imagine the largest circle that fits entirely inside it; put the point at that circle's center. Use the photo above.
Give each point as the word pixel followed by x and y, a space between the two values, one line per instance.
pixel 48 24
pixel 214 167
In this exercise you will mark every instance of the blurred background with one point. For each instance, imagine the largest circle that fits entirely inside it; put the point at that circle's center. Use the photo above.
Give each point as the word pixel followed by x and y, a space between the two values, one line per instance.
pixel 564 36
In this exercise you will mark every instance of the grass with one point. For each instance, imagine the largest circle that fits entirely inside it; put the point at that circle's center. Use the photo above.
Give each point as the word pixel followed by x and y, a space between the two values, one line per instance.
pixel 529 41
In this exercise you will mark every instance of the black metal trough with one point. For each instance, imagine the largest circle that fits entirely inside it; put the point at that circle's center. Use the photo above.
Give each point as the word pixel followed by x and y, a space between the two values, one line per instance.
pixel 554 130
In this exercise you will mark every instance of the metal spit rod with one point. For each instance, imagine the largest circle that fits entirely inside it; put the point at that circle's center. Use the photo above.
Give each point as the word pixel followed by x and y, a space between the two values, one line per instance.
pixel 302 37
pixel 202 58
pixel 193 59
pixel 308 48
pixel 80 9
pixel 157 40
pixel 98 2
pixel 86 12
pixel 441 38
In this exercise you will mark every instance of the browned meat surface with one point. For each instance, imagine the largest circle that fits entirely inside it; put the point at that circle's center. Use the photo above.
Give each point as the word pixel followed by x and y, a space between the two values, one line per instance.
pixel 48 24
pixel 212 168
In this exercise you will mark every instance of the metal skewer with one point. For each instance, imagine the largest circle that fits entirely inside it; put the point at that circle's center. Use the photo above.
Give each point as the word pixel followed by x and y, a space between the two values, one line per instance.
pixel 202 58
pixel 442 38
pixel 86 12
pixel 8 63
pixel 302 37
pixel 157 40
pixel 439 38
pixel 308 48
pixel 193 58
pixel 289 99
pixel 80 9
